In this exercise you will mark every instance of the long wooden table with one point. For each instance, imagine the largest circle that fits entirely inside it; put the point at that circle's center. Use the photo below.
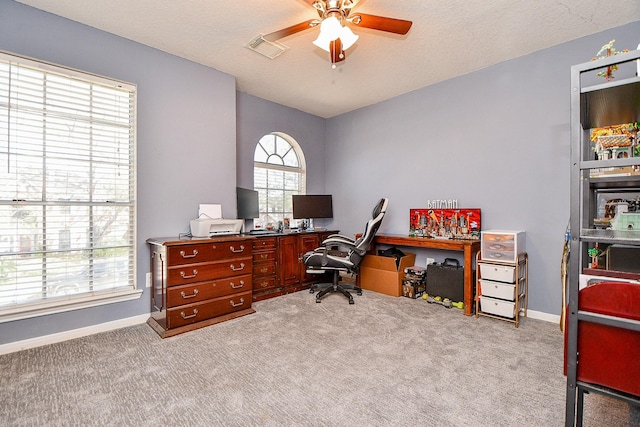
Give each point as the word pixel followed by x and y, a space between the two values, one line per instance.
pixel 469 247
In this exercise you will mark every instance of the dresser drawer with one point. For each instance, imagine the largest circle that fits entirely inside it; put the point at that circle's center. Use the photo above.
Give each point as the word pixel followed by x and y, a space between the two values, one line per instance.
pixel 267 268
pixel 501 245
pixel 264 256
pixel 193 273
pixel 500 290
pixel 264 283
pixel 500 273
pixel 197 312
pixel 497 306
pixel 196 292
pixel 203 252
pixel 264 243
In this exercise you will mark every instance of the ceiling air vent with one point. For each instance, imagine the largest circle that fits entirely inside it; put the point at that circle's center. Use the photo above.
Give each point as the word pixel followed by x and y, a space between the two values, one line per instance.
pixel 265 47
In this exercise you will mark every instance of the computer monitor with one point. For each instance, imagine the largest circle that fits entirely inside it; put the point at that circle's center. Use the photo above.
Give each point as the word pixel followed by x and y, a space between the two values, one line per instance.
pixel 312 206
pixel 247 203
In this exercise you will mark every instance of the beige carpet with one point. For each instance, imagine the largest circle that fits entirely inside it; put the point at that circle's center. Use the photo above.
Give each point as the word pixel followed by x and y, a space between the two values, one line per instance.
pixel 381 362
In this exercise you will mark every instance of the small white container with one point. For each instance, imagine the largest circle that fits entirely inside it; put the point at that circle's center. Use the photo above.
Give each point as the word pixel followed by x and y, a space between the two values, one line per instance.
pixel 500 290
pixel 501 273
pixel 498 307
pixel 502 245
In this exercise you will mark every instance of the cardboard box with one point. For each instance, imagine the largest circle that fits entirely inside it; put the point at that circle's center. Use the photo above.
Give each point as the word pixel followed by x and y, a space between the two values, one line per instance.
pixel 412 290
pixel 381 274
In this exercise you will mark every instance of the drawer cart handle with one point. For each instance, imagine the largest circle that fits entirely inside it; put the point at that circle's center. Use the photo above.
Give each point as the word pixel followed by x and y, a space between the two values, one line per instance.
pixel 184 275
pixel 238 250
pixel 237 305
pixel 233 267
pixel 184 316
pixel 195 292
pixel 234 286
pixel 195 252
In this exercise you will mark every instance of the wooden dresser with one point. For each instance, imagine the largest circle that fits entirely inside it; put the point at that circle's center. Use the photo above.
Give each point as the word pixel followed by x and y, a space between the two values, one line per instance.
pixel 277 263
pixel 265 262
pixel 199 282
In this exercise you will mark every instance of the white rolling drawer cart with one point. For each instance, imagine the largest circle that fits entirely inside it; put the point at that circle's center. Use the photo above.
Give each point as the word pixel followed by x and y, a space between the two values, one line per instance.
pixel 501 288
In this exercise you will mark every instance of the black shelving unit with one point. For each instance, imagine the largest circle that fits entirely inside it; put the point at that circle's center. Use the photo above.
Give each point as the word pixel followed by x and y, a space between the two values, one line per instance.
pixel 604 103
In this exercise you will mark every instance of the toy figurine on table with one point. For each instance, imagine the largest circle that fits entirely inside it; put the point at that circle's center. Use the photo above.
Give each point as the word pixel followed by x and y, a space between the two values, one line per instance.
pixel 594 253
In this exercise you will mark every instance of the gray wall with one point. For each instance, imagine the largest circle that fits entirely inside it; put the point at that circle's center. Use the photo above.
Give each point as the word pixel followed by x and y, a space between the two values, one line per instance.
pixel 257 117
pixel 186 138
pixel 496 139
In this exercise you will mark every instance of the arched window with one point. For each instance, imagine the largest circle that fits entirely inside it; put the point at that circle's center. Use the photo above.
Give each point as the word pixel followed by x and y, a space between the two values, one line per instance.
pixel 279 171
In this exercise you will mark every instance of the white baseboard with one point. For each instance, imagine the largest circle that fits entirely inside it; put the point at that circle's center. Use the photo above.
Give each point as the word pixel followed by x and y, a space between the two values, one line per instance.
pixel 554 318
pixel 72 334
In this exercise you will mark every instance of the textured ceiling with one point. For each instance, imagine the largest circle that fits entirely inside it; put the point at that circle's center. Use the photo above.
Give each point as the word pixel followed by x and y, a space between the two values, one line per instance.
pixel 447 39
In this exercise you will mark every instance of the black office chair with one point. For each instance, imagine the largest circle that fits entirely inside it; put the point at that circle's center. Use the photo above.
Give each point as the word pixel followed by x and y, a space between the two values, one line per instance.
pixel 341 254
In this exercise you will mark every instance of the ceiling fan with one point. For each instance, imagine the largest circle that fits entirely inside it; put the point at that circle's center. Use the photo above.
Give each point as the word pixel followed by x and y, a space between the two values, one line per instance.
pixel 335 35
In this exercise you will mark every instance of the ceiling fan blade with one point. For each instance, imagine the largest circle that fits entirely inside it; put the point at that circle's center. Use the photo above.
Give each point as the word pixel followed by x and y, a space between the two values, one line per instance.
pixel 381 23
pixel 276 35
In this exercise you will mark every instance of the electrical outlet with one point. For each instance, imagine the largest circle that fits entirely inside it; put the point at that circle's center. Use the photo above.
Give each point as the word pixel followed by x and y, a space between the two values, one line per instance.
pixel 148 280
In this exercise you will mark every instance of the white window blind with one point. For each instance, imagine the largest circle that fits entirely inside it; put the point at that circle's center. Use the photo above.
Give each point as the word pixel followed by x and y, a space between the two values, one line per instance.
pixel 278 173
pixel 67 199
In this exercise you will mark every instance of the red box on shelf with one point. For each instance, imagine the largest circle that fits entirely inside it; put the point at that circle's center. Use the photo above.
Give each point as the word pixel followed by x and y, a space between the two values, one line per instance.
pixel 458 223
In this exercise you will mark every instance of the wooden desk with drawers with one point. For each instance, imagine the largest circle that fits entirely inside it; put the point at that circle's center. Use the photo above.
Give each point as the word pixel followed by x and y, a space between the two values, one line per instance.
pixel 468 247
pixel 200 282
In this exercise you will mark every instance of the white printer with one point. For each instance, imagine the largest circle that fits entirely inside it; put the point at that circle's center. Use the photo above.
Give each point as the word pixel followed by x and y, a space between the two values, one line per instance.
pixel 210 222
pixel 207 227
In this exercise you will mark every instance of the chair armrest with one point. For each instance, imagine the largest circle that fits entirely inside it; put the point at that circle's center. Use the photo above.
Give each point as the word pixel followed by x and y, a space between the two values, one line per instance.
pixel 340 236
pixel 345 246
pixel 337 239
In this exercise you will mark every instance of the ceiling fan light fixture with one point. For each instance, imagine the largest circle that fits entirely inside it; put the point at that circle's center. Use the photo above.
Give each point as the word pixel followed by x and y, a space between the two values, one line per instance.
pixel 347 37
pixel 330 30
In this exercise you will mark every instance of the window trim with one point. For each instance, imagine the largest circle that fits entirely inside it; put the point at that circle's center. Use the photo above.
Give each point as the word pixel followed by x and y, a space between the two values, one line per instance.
pixel 61 304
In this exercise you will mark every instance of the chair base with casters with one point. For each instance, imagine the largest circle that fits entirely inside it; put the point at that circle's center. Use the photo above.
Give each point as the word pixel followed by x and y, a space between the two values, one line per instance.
pixel 335 286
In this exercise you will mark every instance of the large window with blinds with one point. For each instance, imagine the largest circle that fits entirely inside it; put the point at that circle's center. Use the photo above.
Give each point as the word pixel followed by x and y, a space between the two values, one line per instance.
pixel 279 171
pixel 67 193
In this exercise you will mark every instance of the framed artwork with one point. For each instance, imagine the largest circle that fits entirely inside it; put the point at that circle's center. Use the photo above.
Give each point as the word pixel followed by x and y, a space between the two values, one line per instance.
pixel 458 223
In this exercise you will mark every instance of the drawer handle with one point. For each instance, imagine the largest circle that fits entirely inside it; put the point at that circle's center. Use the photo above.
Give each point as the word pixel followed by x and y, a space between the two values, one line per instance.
pixel 237 305
pixel 234 286
pixel 264 284
pixel 238 250
pixel 264 269
pixel 195 252
pixel 264 256
pixel 184 275
pixel 191 316
pixel 195 292
pixel 233 267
